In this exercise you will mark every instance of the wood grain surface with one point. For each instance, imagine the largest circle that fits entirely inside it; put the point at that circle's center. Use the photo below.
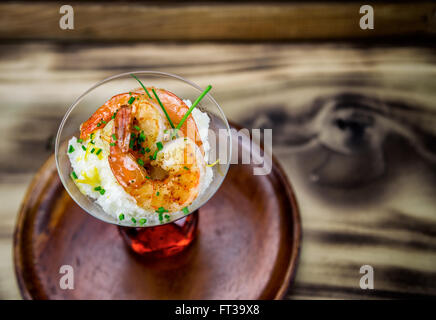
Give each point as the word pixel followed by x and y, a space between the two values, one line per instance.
pixel 214 21
pixel 389 222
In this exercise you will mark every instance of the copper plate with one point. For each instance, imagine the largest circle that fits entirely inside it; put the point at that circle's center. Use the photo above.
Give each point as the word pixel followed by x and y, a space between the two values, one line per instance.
pixel 247 247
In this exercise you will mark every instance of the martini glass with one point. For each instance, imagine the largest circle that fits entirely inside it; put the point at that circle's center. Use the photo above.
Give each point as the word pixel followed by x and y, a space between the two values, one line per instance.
pixel 156 239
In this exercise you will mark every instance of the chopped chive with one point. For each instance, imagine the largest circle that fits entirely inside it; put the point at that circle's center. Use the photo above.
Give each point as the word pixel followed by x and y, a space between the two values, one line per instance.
pixel 102 191
pixel 92 135
pixel 158 193
pixel 92 142
pixel 92 150
pixel 186 168
pixel 167 216
pixel 193 106
pixel 104 122
pixel 147 177
pixel 97 188
pixel 145 89
pixel 160 217
pixel 98 152
pixel 99 124
pixel 163 108
pixel 141 137
pixel 155 154
pixel 147 150
pixel 161 210
pixel 70 149
pixel 121 216
pixel 159 145
pixel 114 114
pixel 131 100
pixel 142 221
pixel 150 157
pixel 114 136
pixel 142 151
pixel 83 147
pixel 185 210
pixel 74 175
pixel 133 220
pixel 136 128
pixel 79 140
pixel 140 162
pixel 112 144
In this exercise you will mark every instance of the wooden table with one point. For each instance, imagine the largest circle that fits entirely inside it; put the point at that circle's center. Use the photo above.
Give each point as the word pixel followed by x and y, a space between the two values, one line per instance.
pixel 387 221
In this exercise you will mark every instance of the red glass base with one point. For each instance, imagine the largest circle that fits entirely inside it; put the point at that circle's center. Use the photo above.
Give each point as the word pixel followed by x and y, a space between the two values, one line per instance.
pixel 162 241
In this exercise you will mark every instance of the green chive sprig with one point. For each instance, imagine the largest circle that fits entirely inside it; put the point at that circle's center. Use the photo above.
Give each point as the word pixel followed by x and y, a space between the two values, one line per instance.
pixel 145 89
pixel 163 108
pixel 193 106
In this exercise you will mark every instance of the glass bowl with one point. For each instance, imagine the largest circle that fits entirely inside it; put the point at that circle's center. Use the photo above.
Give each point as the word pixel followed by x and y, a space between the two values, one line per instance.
pixel 219 135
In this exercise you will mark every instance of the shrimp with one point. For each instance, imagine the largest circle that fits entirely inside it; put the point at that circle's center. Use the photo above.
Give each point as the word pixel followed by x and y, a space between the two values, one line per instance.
pixel 171 181
pixel 104 114
pixel 134 124
pixel 184 163
pixel 175 107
